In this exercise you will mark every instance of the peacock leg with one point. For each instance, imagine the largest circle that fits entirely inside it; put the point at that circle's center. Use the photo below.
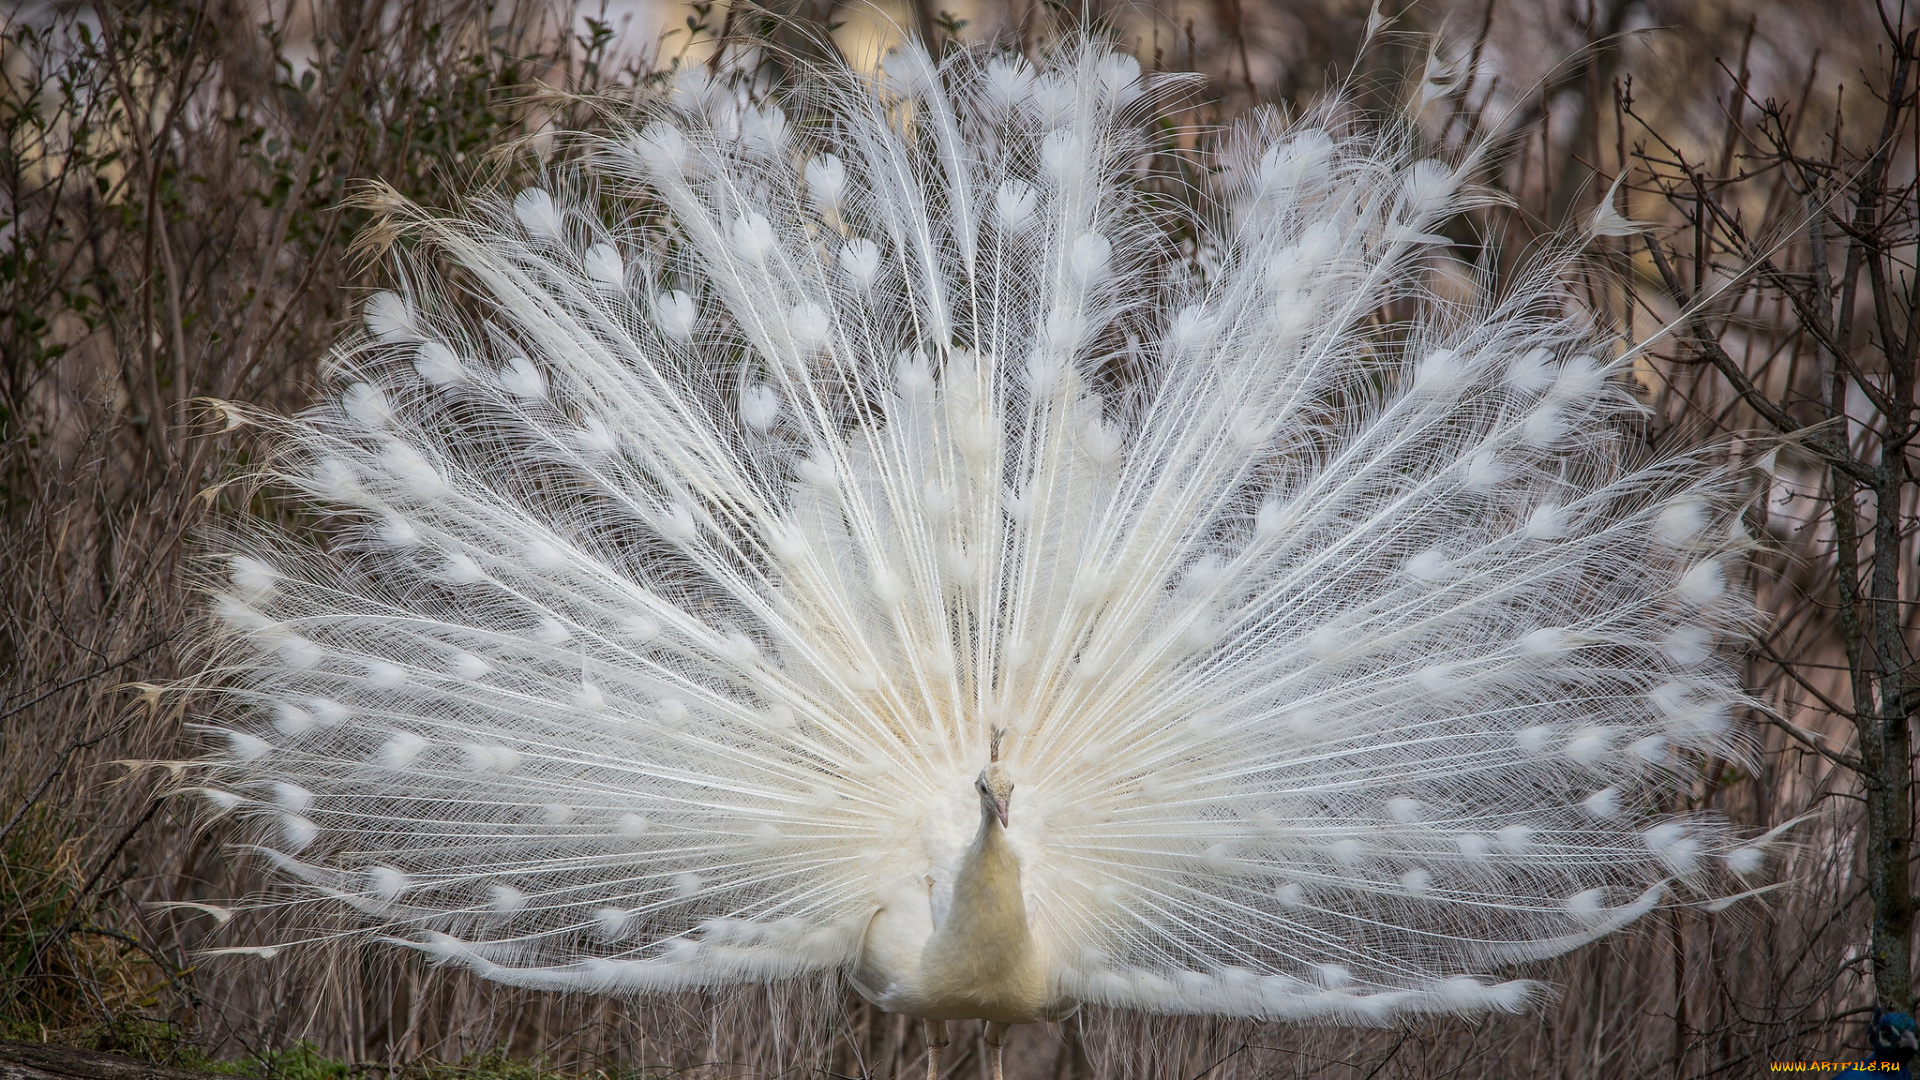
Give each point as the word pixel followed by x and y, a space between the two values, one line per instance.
pixel 997 1038
pixel 936 1042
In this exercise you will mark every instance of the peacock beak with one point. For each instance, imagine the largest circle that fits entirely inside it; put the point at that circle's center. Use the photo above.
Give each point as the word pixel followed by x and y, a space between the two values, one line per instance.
pixel 1000 808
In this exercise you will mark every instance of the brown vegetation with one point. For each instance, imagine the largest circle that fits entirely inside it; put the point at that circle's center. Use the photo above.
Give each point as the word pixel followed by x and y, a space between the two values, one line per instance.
pixel 175 227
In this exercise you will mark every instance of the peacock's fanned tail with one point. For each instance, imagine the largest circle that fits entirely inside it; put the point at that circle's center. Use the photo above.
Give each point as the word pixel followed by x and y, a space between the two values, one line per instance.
pixel 687 530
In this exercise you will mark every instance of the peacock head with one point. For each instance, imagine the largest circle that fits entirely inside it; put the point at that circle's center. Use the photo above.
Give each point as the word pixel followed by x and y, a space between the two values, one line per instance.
pixel 995 785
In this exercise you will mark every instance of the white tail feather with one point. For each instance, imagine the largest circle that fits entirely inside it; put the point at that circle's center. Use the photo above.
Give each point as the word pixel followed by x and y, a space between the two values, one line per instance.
pixel 675 602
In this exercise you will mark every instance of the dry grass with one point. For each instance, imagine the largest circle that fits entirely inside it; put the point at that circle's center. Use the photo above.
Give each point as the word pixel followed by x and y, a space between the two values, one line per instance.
pixel 176 229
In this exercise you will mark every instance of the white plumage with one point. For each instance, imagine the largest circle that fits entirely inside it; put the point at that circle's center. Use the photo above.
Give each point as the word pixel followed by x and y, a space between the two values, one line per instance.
pixel 693 526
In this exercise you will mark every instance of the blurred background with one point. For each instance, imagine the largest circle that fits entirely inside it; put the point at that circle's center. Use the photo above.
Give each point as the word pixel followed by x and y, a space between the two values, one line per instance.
pixel 177 228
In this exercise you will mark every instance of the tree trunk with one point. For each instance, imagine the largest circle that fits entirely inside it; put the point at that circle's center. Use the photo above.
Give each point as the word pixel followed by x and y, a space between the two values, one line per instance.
pixel 37 1061
pixel 1889 843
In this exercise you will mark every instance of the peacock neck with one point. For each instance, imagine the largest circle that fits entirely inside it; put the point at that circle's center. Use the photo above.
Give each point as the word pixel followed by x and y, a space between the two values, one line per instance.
pixel 991 861
pixel 988 917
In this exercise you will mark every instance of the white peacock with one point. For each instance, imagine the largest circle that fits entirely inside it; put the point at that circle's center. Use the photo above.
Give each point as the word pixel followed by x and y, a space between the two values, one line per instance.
pixel 882 538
